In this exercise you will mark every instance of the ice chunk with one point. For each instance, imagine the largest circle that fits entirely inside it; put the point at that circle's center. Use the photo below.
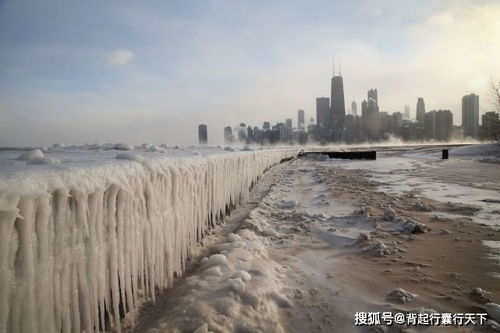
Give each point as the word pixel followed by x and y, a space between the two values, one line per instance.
pixel 270 233
pixel 400 295
pixel 243 275
pixel 131 157
pixel 281 301
pixel 493 311
pixel 46 160
pixel 216 259
pixel 123 146
pixel 213 271
pixel 31 155
pixel 481 295
pixel 156 149
pixel 409 225
pixel 233 237
pixel 202 329
pixel 236 284
pixel 287 204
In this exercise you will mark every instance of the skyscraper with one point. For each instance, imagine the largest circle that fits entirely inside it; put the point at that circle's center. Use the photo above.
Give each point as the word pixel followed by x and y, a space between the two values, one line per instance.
pixel 438 125
pixel 444 125
pixel 301 119
pixel 288 123
pixel 337 102
pixel 430 125
pixel 202 134
pixel 420 110
pixel 370 116
pixel 228 134
pixel 372 97
pixel 354 108
pixel 490 125
pixel 323 118
pixel 406 114
pixel 470 115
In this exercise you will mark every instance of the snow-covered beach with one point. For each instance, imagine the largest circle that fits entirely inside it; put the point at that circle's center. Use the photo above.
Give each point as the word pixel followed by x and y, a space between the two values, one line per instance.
pixel 315 241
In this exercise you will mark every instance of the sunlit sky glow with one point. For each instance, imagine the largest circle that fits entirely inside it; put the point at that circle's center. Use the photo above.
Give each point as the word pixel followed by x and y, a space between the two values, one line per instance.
pixel 151 71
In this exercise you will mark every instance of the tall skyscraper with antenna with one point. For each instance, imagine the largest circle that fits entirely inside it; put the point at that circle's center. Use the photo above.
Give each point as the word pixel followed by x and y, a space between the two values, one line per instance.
pixel 337 104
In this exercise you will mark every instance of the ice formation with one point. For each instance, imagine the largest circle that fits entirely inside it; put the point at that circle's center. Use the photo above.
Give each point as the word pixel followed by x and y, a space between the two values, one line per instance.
pixel 31 155
pixel 123 146
pixel 131 157
pixel 79 245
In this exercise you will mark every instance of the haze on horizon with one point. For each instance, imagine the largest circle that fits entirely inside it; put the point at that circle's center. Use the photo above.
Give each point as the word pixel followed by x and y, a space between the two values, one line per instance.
pixel 110 71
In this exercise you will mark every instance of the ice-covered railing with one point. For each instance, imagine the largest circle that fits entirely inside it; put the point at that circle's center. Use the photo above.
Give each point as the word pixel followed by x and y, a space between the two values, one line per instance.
pixel 80 245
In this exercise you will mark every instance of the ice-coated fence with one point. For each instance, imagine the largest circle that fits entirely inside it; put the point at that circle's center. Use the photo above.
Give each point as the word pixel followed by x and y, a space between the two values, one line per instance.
pixel 81 245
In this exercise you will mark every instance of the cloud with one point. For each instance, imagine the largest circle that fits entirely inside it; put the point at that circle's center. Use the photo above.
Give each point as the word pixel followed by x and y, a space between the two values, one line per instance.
pixel 443 19
pixel 120 57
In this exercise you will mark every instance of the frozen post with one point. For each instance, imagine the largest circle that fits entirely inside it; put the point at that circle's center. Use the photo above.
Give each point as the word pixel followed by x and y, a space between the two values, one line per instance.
pixel 445 154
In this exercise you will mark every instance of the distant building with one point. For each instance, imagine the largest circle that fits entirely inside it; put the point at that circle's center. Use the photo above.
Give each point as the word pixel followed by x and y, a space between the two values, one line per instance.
pixel 250 134
pixel 438 125
pixel 385 121
pixel 323 118
pixel 337 105
pixel 354 108
pixel 228 134
pixel 406 114
pixel 202 134
pixel 470 115
pixel 301 119
pixel 352 128
pixel 396 123
pixel 490 126
pixel 373 97
pixel 444 125
pixel 288 123
pixel 370 119
pixel 242 132
pixel 430 125
pixel 420 110
pixel 280 133
pixel 266 126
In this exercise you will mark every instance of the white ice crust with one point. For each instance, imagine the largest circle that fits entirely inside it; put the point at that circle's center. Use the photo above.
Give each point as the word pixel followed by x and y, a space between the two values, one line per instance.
pixel 82 238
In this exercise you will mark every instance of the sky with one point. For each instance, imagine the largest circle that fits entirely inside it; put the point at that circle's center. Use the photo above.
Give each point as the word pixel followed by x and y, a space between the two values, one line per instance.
pixel 77 72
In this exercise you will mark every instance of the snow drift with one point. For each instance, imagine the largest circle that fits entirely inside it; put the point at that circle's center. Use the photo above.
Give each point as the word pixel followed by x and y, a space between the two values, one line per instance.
pixel 80 245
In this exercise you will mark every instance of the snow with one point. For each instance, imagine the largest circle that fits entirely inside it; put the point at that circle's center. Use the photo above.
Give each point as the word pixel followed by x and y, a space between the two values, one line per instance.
pixel 245 297
pixel 91 237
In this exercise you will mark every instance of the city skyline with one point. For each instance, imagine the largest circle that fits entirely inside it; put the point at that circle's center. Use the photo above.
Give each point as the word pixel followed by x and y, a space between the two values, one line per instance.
pixel 335 126
pixel 108 77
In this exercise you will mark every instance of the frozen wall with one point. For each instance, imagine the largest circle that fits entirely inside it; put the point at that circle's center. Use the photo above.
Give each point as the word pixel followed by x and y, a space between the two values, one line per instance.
pixel 80 245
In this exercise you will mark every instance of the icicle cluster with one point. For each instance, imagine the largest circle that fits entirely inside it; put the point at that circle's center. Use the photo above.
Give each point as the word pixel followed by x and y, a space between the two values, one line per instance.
pixel 73 257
